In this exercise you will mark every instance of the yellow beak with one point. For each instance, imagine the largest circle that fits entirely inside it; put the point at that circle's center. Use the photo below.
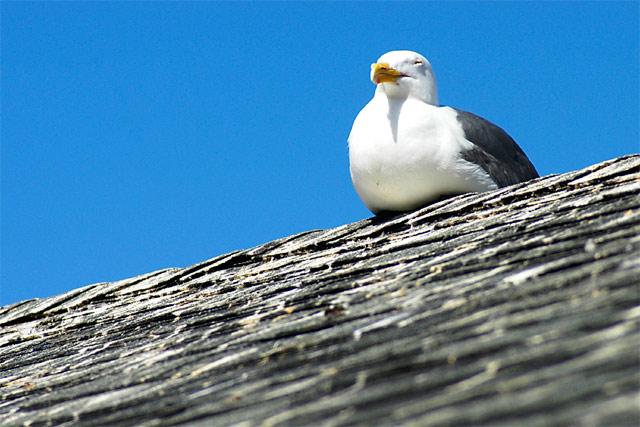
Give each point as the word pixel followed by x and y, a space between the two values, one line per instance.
pixel 382 73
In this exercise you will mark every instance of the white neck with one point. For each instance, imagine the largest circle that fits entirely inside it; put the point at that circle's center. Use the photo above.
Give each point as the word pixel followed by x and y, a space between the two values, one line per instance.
pixel 427 93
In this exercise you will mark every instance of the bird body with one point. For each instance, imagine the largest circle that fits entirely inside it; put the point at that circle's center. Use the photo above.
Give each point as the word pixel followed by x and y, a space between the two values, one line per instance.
pixel 406 151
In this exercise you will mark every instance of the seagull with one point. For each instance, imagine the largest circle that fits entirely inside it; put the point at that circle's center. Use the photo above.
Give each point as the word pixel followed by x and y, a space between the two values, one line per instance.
pixel 406 151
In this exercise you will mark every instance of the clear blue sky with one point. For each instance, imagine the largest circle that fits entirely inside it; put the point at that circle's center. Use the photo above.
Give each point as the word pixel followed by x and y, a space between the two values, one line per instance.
pixel 138 136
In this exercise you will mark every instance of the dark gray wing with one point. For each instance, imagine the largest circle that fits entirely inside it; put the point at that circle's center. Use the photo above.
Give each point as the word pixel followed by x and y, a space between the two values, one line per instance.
pixel 495 151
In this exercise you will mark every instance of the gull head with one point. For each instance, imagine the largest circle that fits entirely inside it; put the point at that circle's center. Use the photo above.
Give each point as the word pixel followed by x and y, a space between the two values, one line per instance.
pixel 405 74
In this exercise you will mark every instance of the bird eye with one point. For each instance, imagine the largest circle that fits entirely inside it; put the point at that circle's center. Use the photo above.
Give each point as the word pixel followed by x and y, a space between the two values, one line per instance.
pixel 418 62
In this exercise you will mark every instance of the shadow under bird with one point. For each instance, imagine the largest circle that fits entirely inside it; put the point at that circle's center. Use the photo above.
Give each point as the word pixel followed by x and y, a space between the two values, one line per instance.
pixel 406 151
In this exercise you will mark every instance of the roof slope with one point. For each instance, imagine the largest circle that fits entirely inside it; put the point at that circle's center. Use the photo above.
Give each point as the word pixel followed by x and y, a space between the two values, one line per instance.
pixel 515 306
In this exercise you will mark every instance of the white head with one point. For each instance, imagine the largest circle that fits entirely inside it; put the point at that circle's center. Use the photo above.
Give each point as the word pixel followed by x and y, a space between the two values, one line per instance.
pixel 405 74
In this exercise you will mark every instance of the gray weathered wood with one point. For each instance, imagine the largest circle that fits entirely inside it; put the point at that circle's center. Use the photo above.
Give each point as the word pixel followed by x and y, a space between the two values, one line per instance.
pixel 515 306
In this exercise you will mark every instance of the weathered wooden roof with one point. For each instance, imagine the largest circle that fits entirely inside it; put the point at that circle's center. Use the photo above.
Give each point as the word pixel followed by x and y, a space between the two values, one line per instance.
pixel 515 306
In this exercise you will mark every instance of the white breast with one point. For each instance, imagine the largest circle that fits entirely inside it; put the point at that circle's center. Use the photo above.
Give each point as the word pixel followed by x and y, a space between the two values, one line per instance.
pixel 405 153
